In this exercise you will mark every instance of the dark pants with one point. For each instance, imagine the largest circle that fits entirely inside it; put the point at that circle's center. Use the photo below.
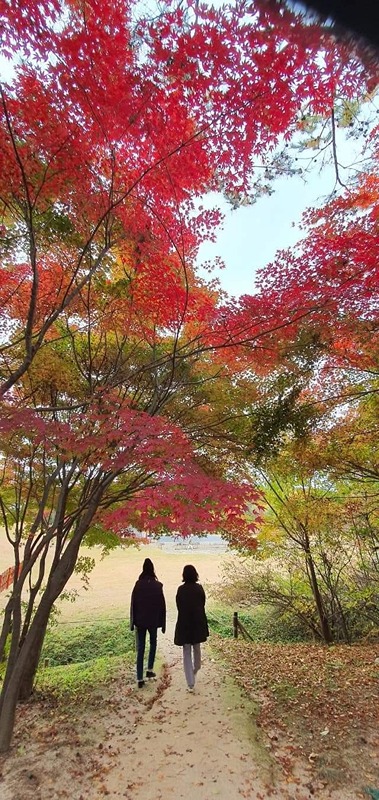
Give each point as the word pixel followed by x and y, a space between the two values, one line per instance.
pixel 140 641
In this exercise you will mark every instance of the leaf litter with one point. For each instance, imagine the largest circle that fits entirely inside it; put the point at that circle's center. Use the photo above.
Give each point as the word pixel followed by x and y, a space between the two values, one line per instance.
pixel 316 702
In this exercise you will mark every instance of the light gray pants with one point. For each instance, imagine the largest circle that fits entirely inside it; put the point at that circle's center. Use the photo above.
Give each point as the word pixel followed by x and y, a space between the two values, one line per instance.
pixel 191 662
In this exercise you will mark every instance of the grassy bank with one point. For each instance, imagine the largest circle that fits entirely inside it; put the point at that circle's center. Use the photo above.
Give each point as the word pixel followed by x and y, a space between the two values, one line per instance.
pixel 78 658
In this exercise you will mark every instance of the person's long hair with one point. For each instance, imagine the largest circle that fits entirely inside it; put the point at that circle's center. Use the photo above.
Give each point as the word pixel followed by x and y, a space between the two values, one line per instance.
pixel 148 570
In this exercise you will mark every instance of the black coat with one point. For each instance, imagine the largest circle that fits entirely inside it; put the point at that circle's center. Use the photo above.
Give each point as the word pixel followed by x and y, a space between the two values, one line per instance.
pixel 192 625
pixel 148 606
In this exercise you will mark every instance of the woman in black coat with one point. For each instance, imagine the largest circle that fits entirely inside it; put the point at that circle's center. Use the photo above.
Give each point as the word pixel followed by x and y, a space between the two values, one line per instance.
pixel 192 627
pixel 147 613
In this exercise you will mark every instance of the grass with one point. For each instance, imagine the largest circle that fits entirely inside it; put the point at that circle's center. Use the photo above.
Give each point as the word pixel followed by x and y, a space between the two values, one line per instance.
pixel 261 623
pixel 76 659
pixel 71 643
pixel 78 681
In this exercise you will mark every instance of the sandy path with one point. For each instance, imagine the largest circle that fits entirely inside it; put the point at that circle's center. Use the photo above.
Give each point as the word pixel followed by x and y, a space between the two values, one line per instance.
pixel 203 745
pixel 188 745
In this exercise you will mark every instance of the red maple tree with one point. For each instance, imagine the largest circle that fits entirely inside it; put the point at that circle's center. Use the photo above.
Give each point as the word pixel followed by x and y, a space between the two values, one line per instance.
pixel 111 126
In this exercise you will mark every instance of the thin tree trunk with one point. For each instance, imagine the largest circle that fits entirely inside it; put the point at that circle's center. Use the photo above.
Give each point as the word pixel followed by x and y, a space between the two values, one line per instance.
pixel 19 669
pixel 12 690
pixel 324 622
pixel 15 639
pixel 6 628
pixel 33 592
pixel 30 670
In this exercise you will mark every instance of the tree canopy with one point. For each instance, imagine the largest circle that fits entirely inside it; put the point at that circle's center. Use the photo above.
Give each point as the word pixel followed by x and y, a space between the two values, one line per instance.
pixel 129 385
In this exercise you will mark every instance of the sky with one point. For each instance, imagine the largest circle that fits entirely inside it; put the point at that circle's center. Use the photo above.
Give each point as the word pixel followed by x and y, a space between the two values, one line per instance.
pixel 251 235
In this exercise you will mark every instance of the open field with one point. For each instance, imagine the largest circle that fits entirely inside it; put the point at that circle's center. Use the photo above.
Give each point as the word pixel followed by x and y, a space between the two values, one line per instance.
pixel 113 577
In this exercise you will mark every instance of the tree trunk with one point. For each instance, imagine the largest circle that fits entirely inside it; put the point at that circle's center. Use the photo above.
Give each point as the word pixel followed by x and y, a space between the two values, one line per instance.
pixel 15 602
pixel 11 690
pixel 324 622
pixel 33 592
pixel 21 675
pixel 6 629
pixel 30 670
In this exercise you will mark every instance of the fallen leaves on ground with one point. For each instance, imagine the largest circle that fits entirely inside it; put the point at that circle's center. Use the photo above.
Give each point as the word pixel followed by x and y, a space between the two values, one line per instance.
pixel 324 700
pixel 80 735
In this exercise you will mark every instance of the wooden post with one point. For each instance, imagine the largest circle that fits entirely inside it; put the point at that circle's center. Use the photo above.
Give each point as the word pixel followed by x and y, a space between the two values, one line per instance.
pixel 235 625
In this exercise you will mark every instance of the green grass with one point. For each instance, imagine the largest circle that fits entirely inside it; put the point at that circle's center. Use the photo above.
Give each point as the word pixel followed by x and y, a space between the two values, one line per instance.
pixel 73 682
pixel 76 659
pixel 261 623
pixel 72 643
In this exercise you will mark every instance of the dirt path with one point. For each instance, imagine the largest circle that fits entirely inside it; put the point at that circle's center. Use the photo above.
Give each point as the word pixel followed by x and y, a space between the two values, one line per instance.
pixel 189 745
pixel 144 744
pixel 157 743
pixel 204 745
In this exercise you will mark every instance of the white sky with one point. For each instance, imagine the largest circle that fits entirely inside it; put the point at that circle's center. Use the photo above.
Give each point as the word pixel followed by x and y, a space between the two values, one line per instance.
pixel 251 235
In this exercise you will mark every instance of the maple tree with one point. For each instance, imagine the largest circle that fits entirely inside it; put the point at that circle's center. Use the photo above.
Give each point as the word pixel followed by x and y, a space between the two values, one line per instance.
pixel 328 285
pixel 316 408
pixel 310 333
pixel 100 457
pixel 111 125
pixel 313 444
pixel 115 124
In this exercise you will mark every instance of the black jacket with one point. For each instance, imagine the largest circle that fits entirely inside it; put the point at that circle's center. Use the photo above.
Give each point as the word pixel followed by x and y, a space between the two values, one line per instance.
pixel 148 606
pixel 192 625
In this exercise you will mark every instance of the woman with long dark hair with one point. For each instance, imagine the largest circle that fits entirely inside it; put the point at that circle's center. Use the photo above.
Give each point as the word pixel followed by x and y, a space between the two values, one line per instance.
pixel 192 626
pixel 147 613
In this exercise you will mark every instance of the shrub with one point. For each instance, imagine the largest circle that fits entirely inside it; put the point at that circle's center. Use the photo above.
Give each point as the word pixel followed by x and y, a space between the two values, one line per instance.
pixel 263 623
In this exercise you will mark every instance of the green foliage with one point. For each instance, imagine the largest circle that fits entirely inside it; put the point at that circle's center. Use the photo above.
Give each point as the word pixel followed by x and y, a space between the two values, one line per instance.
pixel 74 681
pixel 263 623
pixel 54 224
pixel 78 658
pixel 220 621
pixel 83 567
pixel 278 416
pixel 69 644
pixel 98 536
